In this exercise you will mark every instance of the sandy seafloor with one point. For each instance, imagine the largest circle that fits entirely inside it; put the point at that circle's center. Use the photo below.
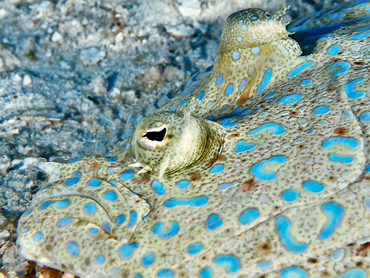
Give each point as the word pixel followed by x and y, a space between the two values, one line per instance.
pixel 70 69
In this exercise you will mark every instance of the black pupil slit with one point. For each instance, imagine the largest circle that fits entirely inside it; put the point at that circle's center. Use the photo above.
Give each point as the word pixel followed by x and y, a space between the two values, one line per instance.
pixel 156 135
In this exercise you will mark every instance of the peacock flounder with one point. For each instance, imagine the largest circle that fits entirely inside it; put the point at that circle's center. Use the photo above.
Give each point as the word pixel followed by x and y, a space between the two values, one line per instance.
pixel 258 167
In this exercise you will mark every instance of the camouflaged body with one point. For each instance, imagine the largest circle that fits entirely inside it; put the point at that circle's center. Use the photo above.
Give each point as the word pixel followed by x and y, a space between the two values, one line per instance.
pixel 271 178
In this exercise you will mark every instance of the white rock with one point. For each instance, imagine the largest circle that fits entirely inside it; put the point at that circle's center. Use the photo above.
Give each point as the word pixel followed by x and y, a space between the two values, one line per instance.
pixel 56 37
pixel 91 56
pixel 1 63
pixel 26 80
pixel 3 13
pixel 119 37
pixel 18 78
pixel 190 8
pixel 181 30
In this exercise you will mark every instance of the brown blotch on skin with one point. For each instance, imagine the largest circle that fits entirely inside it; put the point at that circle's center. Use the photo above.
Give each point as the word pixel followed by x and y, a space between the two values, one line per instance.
pixel 359 264
pixel 341 130
pixel 312 260
pixel 233 135
pixel 331 89
pixel 264 248
pixel 360 63
pixel 325 274
pixel 195 176
pixel 293 113
pixel 145 177
pixel 363 247
pixel 221 158
pixel 94 167
pixel 248 185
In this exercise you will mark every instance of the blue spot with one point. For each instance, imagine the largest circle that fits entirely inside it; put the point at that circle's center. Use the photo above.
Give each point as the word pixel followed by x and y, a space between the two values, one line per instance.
pixel 283 227
pixel 106 227
pixel 263 175
pixel 37 236
pixel 248 216
pixel 45 205
pixel 158 187
pixel 351 93
pixel 293 271
pixel 270 95
pixel 209 104
pixel 334 49
pixel 165 273
pixel 354 273
pixel 300 68
pixel 25 230
pixel 133 217
pixel 99 259
pixel 187 92
pixel 224 186
pixel 73 249
pixel 306 82
pixel 299 28
pixel 266 78
pixel 120 219
pixel 206 273
pixel 90 208
pixel 219 80
pixel 183 102
pixel 229 89
pixel 200 96
pixel 195 202
pixel 110 196
pixel 195 248
pixel 214 222
pixel 360 36
pixel 277 129
pixel 94 183
pixel 126 175
pixel 236 55
pixel 367 169
pixel 115 270
pixel 76 174
pixel 113 183
pixel 290 99
pixel 93 231
pixel 242 84
pixel 183 184
pixel 264 265
pixel 365 117
pixel 159 230
pixel 241 146
pixel 71 182
pixel 335 213
pixel 210 118
pixel 147 259
pixel 337 255
pixel 126 251
pixel 344 67
pixel 78 152
pixel 321 110
pixel 350 142
pixel 336 15
pixel 226 122
pixel 110 170
pixel 75 160
pixel 290 195
pixel 313 186
pixel 64 221
pixel 239 111
pixel 344 159
pixel 217 169
pixel 172 110
pixel 112 159
pixel 232 263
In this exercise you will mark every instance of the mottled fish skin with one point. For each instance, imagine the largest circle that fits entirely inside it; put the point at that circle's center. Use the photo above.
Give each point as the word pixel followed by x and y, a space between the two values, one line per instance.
pixel 259 167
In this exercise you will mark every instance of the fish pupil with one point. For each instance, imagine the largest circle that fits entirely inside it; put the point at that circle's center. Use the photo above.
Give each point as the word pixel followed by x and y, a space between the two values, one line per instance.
pixel 156 135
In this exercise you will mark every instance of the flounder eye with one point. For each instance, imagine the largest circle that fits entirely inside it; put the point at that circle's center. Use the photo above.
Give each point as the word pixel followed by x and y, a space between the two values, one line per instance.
pixel 155 135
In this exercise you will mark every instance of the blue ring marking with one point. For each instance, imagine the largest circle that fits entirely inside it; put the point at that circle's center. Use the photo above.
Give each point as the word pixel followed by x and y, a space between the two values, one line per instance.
pixel 73 249
pixel 277 129
pixel 293 271
pixel 183 184
pixel 337 255
pixel 241 146
pixel 46 204
pixel 115 270
pixel 200 96
pixel 300 68
pixel 90 208
pixel 64 221
pixel 126 175
pixel 158 230
pixel 106 227
pixel 125 252
pixel 71 182
pixel 195 202
pixel 37 237
pixel 335 213
pixel 351 93
pixel 25 230
pixel 226 122
pixel 360 36
pixel 264 265
pixel 76 174
pixel 334 49
pixel 290 99
pixel 349 142
pixel 219 80
pixel 217 169
pixel 99 259
pixel 206 273
pixel 344 67
pixel 321 110
pixel 111 159
pixel 258 171
pixel 266 78
pixel 158 187
pixel 290 195
pixel 165 273
pixel 94 183
pixel 93 231
pixel 147 259
pixel 214 222
pixel 113 183
pixel 344 159
pixel 236 55
pixel 75 160
pixel 313 186
pixel 270 95
pixel 187 91
pixel 110 196
pixel 172 110
pixel 248 216
pixel 229 89
pixel 232 263
pixel 183 102
pixel 283 227
pixel 354 273
pixel 336 15
pixel 195 248
pixel 365 117
pixel 242 84
pixel 306 82
pixel 133 217
pixel 224 186
pixel 120 219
